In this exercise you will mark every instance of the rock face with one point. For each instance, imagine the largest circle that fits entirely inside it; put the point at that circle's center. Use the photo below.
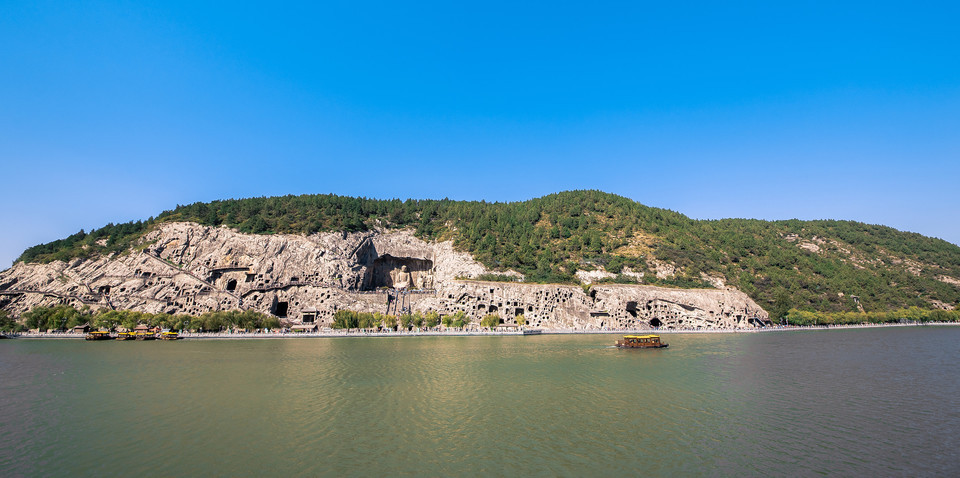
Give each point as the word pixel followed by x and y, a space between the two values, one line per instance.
pixel 188 268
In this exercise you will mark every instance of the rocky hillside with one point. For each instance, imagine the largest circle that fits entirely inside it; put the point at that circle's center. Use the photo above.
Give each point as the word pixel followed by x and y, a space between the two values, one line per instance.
pixel 179 268
pixel 589 237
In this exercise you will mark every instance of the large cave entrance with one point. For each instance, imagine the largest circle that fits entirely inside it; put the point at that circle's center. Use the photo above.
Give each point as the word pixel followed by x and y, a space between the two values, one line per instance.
pixel 632 308
pixel 655 322
pixel 280 309
pixel 399 272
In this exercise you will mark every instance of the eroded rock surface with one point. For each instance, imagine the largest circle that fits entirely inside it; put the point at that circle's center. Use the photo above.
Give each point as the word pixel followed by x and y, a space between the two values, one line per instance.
pixel 188 268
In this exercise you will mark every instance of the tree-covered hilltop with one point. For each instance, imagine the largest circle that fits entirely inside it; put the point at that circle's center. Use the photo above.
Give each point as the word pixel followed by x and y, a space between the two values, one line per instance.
pixel 829 266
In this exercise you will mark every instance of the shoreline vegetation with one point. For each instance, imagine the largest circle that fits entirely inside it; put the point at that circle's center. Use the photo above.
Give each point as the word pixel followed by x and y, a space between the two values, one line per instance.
pixel 61 321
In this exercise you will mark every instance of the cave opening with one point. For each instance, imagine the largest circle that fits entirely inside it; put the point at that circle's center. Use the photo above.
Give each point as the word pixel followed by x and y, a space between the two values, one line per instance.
pixel 232 284
pixel 280 309
pixel 655 322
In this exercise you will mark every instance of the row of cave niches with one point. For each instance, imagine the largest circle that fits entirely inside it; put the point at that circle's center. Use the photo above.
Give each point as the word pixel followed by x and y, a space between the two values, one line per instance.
pixel 258 281
pixel 654 322
pixel 494 309
pixel 105 290
pixel 512 310
pixel 189 305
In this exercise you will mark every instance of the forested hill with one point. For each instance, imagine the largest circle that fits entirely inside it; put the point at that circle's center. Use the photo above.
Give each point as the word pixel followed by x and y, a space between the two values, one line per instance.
pixel 815 265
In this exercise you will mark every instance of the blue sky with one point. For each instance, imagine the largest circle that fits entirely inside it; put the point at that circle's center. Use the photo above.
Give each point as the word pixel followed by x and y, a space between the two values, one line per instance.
pixel 115 111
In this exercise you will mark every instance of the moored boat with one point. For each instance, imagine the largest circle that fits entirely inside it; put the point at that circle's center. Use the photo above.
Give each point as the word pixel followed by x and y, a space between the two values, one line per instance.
pixel 169 335
pixel 126 336
pixel 145 336
pixel 641 342
pixel 98 335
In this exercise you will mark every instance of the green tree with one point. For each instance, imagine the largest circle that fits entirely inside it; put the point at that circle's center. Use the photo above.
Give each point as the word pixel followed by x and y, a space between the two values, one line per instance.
pixel 130 319
pixel 270 322
pixel 490 320
pixel 781 306
pixel 366 320
pixel 7 324
pixel 460 319
pixel 406 320
pixel 431 319
pixel 345 319
pixel 106 319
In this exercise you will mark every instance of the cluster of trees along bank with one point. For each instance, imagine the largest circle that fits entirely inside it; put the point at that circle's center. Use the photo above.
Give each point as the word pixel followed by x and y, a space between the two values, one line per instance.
pixel 912 314
pixel 65 317
pixel 549 239
pixel 348 319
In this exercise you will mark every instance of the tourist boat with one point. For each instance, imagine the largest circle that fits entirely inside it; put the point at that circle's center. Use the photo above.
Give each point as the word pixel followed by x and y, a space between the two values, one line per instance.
pixel 126 336
pixel 98 335
pixel 169 335
pixel 145 336
pixel 641 342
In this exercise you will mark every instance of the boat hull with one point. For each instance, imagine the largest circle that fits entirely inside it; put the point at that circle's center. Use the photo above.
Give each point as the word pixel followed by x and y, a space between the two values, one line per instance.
pixel 640 342
pixel 661 346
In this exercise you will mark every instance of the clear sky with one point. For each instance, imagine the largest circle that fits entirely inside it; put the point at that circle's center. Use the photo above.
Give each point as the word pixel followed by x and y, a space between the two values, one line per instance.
pixel 115 111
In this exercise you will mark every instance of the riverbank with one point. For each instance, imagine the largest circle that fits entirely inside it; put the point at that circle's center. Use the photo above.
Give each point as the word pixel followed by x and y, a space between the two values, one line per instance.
pixel 483 333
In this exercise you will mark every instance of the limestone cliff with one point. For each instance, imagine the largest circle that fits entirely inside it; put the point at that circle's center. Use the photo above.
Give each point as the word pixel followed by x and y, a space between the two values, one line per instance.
pixel 188 268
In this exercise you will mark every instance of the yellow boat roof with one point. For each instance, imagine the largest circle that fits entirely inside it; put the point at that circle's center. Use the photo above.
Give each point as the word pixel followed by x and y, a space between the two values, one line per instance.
pixel 641 336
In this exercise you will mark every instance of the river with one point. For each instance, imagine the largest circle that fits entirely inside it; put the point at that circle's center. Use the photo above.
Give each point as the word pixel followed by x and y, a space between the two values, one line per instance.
pixel 874 401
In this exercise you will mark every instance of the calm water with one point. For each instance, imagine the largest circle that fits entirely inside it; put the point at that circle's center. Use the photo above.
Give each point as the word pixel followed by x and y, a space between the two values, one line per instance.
pixel 851 402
